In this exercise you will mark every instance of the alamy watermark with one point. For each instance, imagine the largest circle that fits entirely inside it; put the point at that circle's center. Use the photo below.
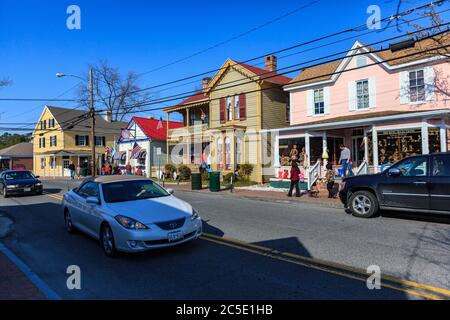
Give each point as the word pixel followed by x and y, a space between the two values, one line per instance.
pixel 374 280
pixel 73 21
pixel 74 278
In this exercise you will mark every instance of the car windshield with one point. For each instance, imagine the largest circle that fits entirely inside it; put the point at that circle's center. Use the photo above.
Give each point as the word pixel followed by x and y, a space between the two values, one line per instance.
pixel 132 190
pixel 18 175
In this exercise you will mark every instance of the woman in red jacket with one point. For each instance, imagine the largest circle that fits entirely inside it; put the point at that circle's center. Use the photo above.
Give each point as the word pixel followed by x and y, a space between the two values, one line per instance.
pixel 295 178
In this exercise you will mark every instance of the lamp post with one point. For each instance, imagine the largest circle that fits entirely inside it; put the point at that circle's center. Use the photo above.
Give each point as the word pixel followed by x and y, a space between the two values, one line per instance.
pixel 91 114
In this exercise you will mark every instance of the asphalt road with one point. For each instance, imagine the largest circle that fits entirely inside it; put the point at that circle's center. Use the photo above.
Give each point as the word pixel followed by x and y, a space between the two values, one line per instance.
pixel 254 250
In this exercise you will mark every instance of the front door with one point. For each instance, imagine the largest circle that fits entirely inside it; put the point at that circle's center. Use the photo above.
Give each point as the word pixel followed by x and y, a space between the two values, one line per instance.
pixel 66 171
pixel 410 189
pixel 439 184
pixel 357 150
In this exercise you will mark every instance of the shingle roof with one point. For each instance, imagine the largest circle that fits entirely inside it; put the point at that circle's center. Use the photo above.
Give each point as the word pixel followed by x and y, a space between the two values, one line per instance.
pixel 198 96
pixel 156 129
pixel 262 73
pixel 64 117
pixel 24 149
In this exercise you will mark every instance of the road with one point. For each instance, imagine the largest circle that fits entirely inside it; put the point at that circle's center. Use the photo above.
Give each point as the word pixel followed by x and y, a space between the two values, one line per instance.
pixel 252 250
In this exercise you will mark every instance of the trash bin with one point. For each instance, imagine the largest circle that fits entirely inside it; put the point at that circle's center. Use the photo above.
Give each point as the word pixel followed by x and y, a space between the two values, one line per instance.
pixel 83 172
pixel 214 181
pixel 196 181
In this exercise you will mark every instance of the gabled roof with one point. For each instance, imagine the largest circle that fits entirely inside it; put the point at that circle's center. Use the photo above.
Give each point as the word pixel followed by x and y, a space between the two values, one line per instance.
pixel 197 97
pixel 155 129
pixel 389 60
pixel 23 149
pixel 262 74
pixel 64 117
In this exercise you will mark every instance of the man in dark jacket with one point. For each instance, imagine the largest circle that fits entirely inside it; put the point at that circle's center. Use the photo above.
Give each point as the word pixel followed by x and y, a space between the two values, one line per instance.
pixel 295 178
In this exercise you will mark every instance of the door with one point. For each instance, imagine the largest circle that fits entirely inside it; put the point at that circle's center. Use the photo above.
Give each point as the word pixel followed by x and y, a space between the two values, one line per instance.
pixel 410 188
pixel 66 171
pixel 439 183
pixel 90 215
pixel 357 150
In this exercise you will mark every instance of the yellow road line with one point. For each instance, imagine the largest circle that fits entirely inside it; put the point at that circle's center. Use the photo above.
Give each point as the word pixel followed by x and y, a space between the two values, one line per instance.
pixel 307 263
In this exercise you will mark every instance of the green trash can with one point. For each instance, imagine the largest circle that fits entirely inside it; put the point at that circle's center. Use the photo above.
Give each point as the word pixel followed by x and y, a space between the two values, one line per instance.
pixel 196 181
pixel 83 172
pixel 214 181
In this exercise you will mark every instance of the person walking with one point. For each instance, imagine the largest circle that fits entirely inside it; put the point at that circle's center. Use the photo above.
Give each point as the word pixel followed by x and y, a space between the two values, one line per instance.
pixel 345 160
pixel 128 169
pixel 329 177
pixel 295 179
pixel 72 170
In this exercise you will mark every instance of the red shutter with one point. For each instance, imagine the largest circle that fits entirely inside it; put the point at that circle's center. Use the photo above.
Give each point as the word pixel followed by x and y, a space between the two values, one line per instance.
pixel 242 106
pixel 222 110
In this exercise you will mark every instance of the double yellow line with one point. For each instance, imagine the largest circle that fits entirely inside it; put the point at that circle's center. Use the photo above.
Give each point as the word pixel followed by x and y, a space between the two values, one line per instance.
pixel 387 281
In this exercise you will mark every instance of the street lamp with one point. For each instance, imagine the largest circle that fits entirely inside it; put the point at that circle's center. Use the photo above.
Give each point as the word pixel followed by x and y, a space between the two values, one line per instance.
pixel 91 113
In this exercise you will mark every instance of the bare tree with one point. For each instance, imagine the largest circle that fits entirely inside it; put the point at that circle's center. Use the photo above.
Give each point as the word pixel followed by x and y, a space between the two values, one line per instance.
pixel 120 95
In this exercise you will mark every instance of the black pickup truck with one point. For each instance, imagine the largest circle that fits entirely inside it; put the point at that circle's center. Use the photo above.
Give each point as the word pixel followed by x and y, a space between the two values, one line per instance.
pixel 418 183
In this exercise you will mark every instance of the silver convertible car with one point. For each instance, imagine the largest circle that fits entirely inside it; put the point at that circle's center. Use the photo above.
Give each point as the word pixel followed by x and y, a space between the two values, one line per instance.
pixel 129 213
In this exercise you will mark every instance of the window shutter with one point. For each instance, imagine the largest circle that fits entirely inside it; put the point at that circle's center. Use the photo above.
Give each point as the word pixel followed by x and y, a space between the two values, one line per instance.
pixel 242 106
pixel 43 142
pixel 40 143
pixel 222 110
pixel 77 140
pixel 104 141
pixel 352 96
pixel 372 92
pixel 310 102
pixel 326 99
pixel 404 87
pixel 429 78
pixel 55 141
pixel 86 138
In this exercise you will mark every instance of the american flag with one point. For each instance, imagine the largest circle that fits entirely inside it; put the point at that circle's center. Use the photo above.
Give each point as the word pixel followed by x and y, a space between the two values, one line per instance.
pixel 135 151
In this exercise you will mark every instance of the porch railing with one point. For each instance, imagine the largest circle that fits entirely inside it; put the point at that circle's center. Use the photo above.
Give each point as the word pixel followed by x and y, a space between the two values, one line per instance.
pixel 313 174
pixel 363 168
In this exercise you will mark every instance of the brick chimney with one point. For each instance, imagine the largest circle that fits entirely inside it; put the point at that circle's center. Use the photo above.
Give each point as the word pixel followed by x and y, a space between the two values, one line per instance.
pixel 271 63
pixel 205 82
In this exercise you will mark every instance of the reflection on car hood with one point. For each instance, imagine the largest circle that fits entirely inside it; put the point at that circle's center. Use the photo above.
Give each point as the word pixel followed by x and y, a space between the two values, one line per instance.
pixel 152 210
pixel 21 181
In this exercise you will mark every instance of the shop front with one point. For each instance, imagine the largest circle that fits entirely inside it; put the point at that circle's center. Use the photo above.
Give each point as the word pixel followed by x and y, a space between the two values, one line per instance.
pixel 374 142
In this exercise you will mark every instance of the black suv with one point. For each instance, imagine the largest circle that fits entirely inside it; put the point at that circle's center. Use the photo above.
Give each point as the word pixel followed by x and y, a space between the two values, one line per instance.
pixel 418 183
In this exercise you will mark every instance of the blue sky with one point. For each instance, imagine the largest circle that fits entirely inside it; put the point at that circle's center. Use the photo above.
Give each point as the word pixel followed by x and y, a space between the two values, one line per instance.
pixel 142 35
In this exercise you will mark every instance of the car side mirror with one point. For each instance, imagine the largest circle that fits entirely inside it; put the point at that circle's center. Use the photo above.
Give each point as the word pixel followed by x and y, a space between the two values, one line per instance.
pixel 37 177
pixel 92 200
pixel 170 191
pixel 394 172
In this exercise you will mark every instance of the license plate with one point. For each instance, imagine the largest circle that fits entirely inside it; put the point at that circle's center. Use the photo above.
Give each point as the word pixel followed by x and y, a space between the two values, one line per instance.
pixel 175 236
pixel 26 189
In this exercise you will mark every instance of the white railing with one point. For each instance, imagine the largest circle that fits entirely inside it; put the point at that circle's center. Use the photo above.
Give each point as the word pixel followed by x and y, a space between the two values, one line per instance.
pixel 363 168
pixel 313 174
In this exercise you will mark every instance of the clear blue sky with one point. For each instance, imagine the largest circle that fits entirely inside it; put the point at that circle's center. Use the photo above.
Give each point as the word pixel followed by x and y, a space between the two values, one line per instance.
pixel 142 35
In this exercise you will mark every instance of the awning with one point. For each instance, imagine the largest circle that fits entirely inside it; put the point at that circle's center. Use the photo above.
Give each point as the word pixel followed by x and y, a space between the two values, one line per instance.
pixel 142 154
pixel 121 155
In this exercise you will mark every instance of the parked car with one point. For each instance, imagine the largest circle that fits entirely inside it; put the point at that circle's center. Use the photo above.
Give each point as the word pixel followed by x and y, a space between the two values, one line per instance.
pixel 418 183
pixel 130 214
pixel 17 182
pixel 19 167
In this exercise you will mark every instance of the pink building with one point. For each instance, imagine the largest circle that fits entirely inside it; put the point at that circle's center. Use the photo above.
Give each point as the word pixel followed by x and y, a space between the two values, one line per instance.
pixel 383 106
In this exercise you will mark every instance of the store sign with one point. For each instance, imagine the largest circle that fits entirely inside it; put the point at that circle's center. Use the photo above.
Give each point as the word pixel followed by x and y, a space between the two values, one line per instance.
pixel 399 132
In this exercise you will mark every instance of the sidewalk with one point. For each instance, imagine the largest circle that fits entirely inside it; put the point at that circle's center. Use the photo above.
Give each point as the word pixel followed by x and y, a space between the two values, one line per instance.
pixel 14 284
pixel 321 200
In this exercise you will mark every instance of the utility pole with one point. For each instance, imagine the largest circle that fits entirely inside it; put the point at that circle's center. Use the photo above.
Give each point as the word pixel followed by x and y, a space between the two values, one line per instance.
pixel 92 114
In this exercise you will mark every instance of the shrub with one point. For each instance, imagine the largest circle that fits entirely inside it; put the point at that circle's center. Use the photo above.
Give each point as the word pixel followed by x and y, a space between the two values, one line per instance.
pixel 227 177
pixel 245 170
pixel 184 172
pixel 168 170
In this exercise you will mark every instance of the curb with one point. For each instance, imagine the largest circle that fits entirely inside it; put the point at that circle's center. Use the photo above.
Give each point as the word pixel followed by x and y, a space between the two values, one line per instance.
pixel 34 278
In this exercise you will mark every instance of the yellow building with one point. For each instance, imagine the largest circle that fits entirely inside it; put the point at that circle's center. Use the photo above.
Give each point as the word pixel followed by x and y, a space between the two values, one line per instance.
pixel 223 120
pixel 61 136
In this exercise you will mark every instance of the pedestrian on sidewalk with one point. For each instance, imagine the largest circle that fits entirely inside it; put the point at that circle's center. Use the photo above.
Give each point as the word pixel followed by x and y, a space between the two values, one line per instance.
pixel 72 170
pixel 330 180
pixel 345 160
pixel 295 179
pixel 128 169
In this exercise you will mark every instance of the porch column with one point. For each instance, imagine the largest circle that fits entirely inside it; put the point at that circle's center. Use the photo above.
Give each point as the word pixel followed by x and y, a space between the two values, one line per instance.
pixel 443 136
pixel 308 151
pixel 366 146
pixel 375 149
pixel 425 146
pixel 54 166
pixel 276 155
pixel 148 159
pixel 168 160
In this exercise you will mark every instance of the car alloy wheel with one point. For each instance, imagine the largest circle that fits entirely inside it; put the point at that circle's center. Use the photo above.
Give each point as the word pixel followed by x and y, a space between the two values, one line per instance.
pixel 363 204
pixel 107 240
pixel 5 194
pixel 68 222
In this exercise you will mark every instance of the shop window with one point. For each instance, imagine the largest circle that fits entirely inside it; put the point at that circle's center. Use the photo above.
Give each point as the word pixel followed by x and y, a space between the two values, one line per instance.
pixel 291 148
pixel 319 102
pixel 416 86
pixel 227 154
pixel 394 145
pixel 238 150
pixel 434 140
pixel 362 94
pixel 220 153
pixel 42 163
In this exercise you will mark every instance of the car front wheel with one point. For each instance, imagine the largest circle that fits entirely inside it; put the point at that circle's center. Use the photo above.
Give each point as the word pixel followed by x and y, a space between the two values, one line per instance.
pixel 363 204
pixel 68 222
pixel 5 193
pixel 107 241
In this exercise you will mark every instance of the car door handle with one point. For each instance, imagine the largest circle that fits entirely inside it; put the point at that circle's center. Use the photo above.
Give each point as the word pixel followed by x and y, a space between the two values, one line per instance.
pixel 420 182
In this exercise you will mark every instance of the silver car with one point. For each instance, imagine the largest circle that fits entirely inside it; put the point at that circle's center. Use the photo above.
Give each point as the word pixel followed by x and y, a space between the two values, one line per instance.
pixel 130 213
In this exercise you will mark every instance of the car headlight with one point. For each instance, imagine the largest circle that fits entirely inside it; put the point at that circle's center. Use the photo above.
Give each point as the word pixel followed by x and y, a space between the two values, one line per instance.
pixel 194 215
pixel 38 184
pixel 129 223
pixel 12 186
